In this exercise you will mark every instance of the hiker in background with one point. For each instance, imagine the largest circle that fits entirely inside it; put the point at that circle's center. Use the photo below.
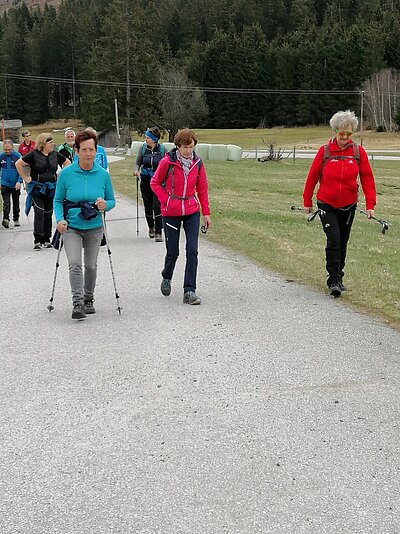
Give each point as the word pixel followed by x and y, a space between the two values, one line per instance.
pixel 180 183
pixel 10 183
pixel 27 144
pixel 38 169
pixel 336 167
pixel 83 191
pixel 146 164
pixel 67 148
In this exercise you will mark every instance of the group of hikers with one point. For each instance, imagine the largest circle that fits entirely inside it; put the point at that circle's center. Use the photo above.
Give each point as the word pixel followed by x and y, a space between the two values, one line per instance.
pixel 174 190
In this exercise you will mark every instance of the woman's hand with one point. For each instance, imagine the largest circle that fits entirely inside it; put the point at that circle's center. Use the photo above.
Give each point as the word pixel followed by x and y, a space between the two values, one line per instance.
pixel 101 204
pixel 62 226
pixel 207 222
pixel 370 213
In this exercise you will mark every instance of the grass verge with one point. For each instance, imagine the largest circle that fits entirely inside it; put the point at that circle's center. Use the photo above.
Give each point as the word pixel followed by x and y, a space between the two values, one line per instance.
pixel 250 208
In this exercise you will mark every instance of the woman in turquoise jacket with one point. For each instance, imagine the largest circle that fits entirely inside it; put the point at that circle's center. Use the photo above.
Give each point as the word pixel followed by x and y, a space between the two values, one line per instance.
pixel 83 191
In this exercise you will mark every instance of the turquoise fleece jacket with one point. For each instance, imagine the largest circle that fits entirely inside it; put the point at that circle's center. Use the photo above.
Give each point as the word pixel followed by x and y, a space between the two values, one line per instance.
pixel 76 185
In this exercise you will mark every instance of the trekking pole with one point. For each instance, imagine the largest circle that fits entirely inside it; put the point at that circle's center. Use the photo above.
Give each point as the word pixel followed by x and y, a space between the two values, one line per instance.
pixel 50 307
pixel 137 205
pixel 311 216
pixel 103 220
pixel 383 223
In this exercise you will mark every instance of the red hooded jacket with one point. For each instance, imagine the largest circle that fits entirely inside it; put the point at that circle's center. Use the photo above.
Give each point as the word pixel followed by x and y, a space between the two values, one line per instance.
pixel 179 195
pixel 338 185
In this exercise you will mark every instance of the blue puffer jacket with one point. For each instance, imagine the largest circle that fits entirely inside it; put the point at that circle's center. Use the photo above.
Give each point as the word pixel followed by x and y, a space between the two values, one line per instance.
pixel 9 174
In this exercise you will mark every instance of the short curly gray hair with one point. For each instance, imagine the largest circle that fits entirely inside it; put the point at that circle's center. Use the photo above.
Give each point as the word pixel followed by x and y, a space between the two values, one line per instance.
pixel 341 119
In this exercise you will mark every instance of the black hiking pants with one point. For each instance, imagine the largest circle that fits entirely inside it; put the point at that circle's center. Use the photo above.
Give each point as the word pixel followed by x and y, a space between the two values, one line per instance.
pixel 152 208
pixel 43 209
pixel 7 193
pixel 337 223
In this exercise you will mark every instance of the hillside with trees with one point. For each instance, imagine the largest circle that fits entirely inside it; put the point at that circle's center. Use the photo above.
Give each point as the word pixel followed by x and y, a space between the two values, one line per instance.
pixel 215 63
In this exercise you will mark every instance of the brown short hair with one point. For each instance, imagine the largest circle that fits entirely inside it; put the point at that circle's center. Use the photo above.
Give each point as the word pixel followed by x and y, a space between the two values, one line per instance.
pixel 185 137
pixel 85 135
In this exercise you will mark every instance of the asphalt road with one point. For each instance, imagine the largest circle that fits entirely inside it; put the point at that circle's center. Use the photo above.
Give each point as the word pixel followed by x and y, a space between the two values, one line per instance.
pixel 270 408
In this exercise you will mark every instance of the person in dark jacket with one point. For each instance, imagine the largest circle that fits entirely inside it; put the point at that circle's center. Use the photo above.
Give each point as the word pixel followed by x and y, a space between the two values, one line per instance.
pixel 42 165
pixel 180 183
pixel 146 164
pixel 10 183
pixel 67 148
pixel 336 168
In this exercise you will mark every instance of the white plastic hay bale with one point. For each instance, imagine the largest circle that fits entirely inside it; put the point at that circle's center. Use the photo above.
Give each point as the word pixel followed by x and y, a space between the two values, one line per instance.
pixel 203 150
pixel 234 153
pixel 218 152
pixel 168 146
pixel 136 147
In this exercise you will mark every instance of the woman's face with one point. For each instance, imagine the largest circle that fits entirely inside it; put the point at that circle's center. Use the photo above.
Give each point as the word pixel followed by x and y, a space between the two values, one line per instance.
pixel 149 142
pixel 187 150
pixel 343 136
pixel 27 138
pixel 49 146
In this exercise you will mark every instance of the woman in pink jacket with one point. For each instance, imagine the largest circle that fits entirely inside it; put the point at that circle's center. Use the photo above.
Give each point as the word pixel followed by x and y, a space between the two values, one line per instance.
pixel 180 184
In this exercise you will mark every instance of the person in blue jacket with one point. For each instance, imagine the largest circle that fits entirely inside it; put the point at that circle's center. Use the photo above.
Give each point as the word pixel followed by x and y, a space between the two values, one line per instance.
pixel 83 190
pixel 10 183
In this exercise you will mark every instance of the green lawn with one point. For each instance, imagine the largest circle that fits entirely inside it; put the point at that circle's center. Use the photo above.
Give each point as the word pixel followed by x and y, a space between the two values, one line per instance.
pixel 250 205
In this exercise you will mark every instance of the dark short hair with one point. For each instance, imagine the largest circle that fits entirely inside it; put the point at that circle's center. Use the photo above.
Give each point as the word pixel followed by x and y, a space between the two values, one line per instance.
pixel 85 135
pixel 185 137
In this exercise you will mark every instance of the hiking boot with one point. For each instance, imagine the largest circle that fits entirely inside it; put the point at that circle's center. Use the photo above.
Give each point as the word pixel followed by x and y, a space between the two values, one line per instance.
pixel 190 297
pixel 152 233
pixel 6 223
pixel 166 287
pixel 16 223
pixel 159 238
pixel 335 290
pixel 37 246
pixel 47 244
pixel 78 311
pixel 88 307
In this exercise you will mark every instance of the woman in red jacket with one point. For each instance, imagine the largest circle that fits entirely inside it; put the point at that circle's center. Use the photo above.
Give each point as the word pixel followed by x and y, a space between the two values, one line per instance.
pixel 336 167
pixel 180 183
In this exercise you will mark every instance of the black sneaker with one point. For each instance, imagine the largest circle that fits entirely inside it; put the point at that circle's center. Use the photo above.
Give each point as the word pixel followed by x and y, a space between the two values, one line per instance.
pixel 335 290
pixel 16 223
pixel 152 233
pixel 47 244
pixel 6 223
pixel 342 286
pixel 158 238
pixel 190 297
pixel 37 246
pixel 166 287
pixel 78 312
pixel 88 307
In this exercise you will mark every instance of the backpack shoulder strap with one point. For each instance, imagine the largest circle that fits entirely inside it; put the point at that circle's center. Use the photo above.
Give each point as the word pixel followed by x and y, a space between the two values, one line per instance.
pixel 162 150
pixel 144 146
pixel 327 154
pixel 356 152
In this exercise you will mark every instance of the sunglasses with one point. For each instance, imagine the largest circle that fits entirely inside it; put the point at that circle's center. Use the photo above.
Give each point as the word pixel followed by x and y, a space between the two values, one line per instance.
pixel 344 134
pixel 27 135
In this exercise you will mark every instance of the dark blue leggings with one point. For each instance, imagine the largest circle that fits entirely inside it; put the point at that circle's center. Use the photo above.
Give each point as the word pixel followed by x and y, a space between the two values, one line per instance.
pixel 172 228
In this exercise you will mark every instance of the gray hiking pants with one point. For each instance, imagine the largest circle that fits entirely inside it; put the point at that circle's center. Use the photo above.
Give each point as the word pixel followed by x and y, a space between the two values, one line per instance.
pixel 82 287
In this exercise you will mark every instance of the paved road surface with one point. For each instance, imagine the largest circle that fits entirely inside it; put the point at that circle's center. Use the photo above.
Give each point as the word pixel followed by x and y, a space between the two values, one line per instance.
pixel 268 409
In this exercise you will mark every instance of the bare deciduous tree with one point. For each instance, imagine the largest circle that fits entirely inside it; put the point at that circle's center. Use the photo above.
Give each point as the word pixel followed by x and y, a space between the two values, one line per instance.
pixel 182 102
pixel 380 97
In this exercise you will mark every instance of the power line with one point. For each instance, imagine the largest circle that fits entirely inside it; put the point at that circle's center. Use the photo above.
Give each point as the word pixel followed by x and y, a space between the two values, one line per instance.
pixel 238 90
